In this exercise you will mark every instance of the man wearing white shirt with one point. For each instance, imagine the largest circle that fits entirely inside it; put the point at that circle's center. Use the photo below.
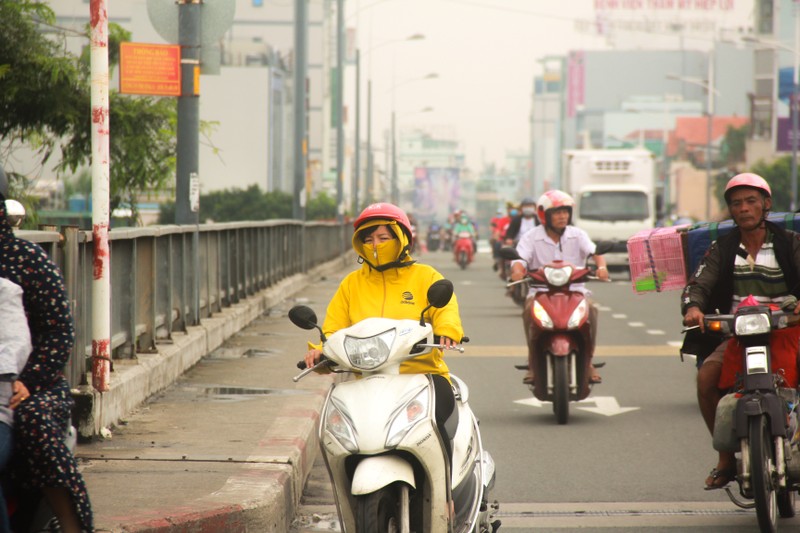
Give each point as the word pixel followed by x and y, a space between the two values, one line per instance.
pixel 554 239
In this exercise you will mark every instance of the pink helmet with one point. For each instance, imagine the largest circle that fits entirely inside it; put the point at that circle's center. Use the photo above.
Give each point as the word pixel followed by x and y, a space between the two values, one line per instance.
pixel 387 212
pixel 748 179
pixel 553 200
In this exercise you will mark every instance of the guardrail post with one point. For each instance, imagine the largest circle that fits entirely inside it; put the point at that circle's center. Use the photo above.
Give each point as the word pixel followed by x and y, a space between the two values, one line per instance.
pixel 76 368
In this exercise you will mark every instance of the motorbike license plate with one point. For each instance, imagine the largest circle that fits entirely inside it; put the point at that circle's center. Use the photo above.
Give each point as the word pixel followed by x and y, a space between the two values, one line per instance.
pixel 756 358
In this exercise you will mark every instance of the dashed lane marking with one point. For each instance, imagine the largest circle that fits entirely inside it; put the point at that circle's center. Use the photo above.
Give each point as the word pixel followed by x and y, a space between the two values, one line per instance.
pixel 655 332
pixel 636 324
pixel 621 316
pixel 628 350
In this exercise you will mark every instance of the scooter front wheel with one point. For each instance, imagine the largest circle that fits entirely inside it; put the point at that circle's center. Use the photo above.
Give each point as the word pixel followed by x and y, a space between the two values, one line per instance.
pixel 561 389
pixel 380 511
pixel 462 260
pixel 762 465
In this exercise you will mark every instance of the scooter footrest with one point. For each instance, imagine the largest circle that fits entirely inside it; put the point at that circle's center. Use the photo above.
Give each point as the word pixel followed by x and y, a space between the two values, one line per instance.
pixel 521 367
pixel 599 365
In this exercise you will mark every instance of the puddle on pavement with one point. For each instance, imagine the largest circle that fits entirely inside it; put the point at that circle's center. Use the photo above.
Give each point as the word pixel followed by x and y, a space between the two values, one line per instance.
pixel 261 352
pixel 236 393
pixel 251 333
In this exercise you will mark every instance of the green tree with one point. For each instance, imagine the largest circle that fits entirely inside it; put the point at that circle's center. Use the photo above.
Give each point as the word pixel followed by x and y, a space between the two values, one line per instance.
pixel 45 102
pixel 321 207
pixel 734 145
pixel 778 175
pixel 235 205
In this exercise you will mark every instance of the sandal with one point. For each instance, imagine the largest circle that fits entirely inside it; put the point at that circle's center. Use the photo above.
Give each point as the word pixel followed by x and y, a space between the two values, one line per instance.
pixel 595 379
pixel 718 479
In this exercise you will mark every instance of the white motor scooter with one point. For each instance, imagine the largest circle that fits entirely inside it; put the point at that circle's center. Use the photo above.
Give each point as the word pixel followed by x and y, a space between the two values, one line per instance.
pixel 385 455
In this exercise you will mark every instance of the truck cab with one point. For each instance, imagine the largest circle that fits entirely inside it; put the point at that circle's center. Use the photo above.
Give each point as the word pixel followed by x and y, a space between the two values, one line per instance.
pixel 614 191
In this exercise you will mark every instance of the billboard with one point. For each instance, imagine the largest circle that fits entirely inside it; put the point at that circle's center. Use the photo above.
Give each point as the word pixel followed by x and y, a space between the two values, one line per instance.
pixel 437 193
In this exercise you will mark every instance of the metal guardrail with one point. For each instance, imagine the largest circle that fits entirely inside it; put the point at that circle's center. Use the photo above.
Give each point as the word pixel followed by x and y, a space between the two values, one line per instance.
pixel 154 288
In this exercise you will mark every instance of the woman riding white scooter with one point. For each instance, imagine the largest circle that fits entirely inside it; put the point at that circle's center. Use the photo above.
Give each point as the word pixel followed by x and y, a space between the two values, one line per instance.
pixel 406 479
pixel 391 284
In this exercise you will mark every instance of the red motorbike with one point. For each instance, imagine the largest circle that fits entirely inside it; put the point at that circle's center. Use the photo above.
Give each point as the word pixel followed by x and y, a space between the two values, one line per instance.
pixel 463 249
pixel 565 335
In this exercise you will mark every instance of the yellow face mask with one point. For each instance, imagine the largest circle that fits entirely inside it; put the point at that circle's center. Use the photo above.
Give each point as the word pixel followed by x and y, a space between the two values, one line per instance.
pixel 384 252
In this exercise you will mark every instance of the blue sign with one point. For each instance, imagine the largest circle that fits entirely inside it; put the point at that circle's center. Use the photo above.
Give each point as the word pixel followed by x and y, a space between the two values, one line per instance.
pixel 785 83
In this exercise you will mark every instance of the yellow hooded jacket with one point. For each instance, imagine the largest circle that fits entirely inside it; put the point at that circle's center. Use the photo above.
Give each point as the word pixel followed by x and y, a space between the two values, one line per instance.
pixel 396 293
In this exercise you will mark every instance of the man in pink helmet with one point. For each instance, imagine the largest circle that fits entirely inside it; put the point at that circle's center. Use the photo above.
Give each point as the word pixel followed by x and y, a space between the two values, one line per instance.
pixel 555 238
pixel 756 258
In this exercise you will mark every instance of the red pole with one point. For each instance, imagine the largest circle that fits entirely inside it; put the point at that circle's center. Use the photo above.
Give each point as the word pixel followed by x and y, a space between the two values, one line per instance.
pixel 101 286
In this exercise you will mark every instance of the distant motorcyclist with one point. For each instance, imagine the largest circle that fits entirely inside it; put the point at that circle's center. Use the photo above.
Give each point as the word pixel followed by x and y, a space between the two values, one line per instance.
pixel 756 258
pixel 554 239
pixel 434 236
pixel 464 225
pixel 498 225
pixel 523 222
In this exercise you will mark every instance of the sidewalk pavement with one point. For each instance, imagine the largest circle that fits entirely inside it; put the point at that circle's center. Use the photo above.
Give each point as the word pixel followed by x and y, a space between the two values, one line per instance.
pixel 228 446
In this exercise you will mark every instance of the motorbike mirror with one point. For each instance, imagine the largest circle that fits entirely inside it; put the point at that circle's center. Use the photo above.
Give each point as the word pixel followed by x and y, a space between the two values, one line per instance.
pixel 303 317
pixel 509 253
pixel 15 213
pixel 440 292
pixel 603 247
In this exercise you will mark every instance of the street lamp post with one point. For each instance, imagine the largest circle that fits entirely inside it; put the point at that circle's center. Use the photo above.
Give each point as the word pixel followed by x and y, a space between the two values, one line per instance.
pixel 369 193
pixel 793 100
pixel 395 193
pixel 708 85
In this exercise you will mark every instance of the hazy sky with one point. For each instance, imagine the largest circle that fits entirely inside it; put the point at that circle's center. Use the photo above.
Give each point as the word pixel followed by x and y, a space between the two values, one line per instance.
pixel 485 53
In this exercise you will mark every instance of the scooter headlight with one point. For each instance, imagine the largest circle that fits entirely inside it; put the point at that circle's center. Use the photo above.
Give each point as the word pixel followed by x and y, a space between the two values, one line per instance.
pixel 338 424
pixel 371 352
pixel 755 324
pixel 558 276
pixel 407 417
pixel 578 315
pixel 541 315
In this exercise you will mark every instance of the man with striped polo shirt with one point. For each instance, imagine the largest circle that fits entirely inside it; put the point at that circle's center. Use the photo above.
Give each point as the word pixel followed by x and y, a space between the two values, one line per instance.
pixel 756 258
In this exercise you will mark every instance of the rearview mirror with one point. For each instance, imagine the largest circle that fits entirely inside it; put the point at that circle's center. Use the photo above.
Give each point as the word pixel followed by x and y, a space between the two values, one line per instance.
pixel 603 247
pixel 509 253
pixel 303 317
pixel 440 293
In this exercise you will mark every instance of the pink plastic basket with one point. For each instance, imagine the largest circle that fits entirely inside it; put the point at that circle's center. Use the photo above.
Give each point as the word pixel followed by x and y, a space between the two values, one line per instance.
pixel 656 260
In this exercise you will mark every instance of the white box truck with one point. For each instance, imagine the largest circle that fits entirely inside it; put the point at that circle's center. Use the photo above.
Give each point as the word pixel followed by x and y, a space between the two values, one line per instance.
pixel 615 195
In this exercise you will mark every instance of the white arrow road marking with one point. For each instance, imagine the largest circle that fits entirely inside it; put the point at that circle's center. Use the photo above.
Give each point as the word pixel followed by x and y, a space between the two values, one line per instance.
pixel 533 402
pixel 605 405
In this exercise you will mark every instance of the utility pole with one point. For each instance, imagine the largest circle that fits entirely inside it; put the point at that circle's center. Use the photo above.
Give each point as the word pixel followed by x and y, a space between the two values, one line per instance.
pixel 395 191
pixel 339 110
pixel 370 192
pixel 357 159
pixel 187 202
pixel 709 147
pixel 187 187
pixel 101 284
pixel 300 92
